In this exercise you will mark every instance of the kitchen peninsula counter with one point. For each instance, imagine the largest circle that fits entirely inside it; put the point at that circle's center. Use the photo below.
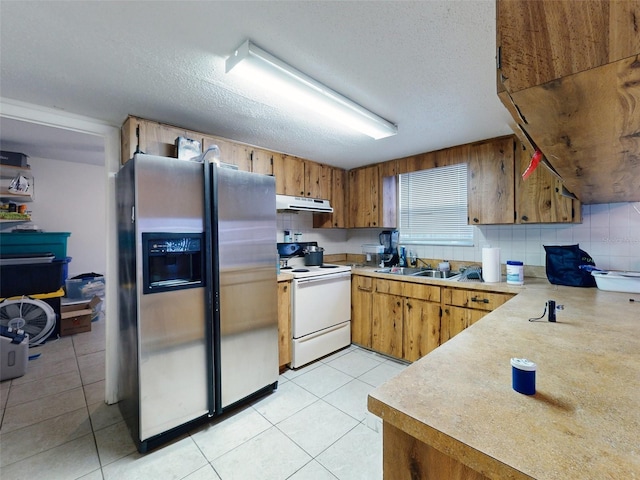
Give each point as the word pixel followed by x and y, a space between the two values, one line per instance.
pixel 453 414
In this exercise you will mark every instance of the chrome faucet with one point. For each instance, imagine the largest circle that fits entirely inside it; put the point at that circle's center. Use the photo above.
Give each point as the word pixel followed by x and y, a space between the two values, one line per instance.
pixel 427 265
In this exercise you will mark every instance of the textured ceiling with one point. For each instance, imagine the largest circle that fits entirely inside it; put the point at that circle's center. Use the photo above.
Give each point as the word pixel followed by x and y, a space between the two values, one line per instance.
pixel 428 66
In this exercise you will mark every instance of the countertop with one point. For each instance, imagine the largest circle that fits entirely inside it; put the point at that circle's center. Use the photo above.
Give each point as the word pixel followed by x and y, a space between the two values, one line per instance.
pixel 584 420
pixel 529 284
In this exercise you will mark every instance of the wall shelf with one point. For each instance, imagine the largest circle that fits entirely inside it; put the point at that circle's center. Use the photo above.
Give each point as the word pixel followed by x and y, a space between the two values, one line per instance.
pixel 9 172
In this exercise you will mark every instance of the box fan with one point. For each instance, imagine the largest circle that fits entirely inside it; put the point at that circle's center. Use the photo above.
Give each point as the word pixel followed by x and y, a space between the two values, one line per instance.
pixel 34 316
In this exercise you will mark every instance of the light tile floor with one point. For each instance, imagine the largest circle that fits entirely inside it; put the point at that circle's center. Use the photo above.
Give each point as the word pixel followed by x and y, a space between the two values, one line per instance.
pixel 315 426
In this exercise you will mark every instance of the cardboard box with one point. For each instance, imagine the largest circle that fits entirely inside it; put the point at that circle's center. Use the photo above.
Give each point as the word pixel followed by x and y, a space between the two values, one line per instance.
pixel 76 318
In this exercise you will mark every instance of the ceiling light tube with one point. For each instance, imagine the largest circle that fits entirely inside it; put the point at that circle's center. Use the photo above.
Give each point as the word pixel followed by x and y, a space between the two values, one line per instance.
pixel 263 67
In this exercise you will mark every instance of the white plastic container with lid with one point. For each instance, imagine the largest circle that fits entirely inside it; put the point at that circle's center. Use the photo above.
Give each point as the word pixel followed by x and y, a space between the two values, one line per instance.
pixel 373 254
pixel 515 272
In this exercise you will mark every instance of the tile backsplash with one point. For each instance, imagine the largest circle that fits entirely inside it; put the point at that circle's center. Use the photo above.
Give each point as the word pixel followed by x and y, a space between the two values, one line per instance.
pixel 610 233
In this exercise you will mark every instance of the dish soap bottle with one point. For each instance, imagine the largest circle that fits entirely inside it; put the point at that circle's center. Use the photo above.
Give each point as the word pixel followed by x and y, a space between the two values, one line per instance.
pixel 402 261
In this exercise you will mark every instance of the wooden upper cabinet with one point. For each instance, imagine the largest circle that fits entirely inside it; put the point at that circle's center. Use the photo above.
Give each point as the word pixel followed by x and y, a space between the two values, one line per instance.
pixel 160 139
pixel 372 198
pixel 262 161
pixel 539 198
pixel 339 192
pixel 364 201
pixel 497 194
pixel 540 41
pixel 152 138
pixel 455 155
pixel 317 180
pixel 128 139
pixel 302 178
pixel 338 199
pixel 230 152
pixel 568 74
pixel 415 163
pixel 491 195
pixel 289 173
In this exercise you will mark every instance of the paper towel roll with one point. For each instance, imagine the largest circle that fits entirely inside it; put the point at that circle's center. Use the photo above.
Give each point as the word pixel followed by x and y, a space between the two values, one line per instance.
pixel 491 264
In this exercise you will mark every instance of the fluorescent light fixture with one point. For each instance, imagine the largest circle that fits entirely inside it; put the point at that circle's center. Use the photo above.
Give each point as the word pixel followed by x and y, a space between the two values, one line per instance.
pixel 255 63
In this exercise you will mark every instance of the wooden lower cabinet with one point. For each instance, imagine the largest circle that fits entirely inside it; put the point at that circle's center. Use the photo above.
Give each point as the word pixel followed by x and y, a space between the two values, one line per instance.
pixel 405 319
pixel 421 328
pixel 408 320
pixel 406 457
pixel 462 308
pixel 456 319
pixel 405 327
pixel 386 325
pixel 361 310
pixel 284 323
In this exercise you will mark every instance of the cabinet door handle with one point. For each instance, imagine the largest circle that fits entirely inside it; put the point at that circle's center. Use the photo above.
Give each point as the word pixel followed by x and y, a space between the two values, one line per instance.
pixel 479 300
pixel 364 289
pixel 475 220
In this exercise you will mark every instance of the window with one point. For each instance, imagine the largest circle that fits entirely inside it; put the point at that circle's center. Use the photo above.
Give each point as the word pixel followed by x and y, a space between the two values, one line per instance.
pixel 433 207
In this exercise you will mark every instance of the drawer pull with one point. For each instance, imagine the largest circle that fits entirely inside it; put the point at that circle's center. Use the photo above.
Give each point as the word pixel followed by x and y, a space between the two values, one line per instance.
pixel 479 300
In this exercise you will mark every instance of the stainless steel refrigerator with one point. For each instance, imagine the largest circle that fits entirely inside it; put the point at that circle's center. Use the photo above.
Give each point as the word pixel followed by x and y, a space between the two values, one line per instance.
pixel 197 293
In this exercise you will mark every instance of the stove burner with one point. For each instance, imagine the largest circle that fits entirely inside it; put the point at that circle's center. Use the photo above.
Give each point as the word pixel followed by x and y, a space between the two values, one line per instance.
pixel 286 268
pixel 328 266
pixel 300 270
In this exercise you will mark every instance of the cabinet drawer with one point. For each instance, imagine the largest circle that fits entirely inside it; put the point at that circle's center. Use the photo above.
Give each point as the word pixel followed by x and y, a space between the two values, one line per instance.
pixel 476 299
pixel 420 291
pixel 362 283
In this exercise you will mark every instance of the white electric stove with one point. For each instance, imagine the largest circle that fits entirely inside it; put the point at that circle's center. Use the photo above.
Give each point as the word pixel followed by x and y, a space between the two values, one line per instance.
pixel 321 310
pixel 297 268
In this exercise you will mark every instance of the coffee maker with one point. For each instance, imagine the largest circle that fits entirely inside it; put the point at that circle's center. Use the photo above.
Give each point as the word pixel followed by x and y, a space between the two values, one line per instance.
pixel 389 240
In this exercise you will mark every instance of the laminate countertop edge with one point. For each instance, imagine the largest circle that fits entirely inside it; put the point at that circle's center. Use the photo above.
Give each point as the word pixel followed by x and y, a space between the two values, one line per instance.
pixel 583 420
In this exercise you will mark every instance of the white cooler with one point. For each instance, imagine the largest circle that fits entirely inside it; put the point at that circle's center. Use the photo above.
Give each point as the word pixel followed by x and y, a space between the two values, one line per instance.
pixel 14 353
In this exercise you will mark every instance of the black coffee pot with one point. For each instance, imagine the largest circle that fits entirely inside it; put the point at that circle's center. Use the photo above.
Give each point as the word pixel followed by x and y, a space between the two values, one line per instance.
pixel 389 239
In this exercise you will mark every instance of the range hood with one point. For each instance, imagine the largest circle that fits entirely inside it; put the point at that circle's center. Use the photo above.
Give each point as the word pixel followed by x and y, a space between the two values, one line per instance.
pixel 303 204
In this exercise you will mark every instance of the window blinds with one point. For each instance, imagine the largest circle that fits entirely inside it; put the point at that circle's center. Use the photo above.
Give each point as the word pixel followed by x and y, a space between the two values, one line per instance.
pixel 433 207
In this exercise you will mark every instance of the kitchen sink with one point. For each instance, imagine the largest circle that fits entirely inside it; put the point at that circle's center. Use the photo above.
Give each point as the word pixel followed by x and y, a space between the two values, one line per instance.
pixel 419 272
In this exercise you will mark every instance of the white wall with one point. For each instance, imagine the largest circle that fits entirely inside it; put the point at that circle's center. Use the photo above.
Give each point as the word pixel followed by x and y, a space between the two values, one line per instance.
pixel 609 232
pixel 331 239
pixel 71 197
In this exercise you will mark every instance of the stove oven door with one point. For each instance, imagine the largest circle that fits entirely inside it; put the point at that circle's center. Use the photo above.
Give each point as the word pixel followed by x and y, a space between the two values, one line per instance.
pixel 321 314
pixel 320 302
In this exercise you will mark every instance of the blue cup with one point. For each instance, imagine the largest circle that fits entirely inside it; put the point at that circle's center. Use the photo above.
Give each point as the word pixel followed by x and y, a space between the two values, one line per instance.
pixel 523 373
